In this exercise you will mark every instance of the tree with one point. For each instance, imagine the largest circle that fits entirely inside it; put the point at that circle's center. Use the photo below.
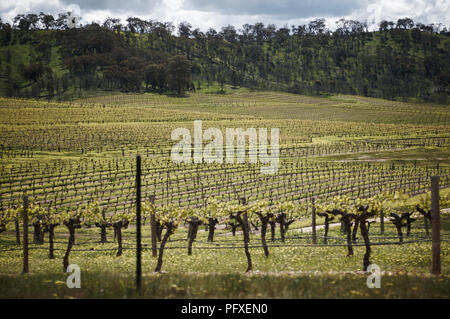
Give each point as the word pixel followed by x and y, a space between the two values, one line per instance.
pixel 5 35
pixel 22 22
pixel 111 23
pixel 138 25
pixel 317 26
pixel 47 20
pixel 184 29
pixel 155 76
pixel 405 23
pixel 179 74
pixel 33 72
pixel 61 21
pixel 229 33
pixel 386 25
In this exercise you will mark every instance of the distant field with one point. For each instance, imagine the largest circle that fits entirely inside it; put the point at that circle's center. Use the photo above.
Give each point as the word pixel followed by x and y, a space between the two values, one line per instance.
pixel 144 121
pixel 270 105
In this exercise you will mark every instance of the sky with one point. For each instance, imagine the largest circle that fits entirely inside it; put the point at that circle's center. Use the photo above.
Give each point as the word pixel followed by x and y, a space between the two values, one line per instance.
pixel 204 14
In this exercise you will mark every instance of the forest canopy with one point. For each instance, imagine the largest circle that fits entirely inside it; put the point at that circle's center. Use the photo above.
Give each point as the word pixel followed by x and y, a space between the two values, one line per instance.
pixel 43 56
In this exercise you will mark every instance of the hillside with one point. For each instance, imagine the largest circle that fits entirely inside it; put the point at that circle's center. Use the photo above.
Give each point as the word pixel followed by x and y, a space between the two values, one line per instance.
pixel 406 62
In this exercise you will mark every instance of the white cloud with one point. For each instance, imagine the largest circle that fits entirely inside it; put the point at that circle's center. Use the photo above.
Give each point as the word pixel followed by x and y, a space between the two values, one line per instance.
pixel 434 11
pixel 216 15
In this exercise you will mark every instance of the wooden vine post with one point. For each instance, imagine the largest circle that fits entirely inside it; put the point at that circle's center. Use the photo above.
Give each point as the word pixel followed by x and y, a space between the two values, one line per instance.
pixel 138 225
pixel 435 226
pixel 382 222
pixel 16 226
pixel 25 235
pixel 153 228
pixel 314 234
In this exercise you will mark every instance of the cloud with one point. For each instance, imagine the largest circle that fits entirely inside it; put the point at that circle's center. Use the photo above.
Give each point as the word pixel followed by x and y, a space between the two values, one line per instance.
pixel 120 6
pixel 216 14
pixel 9 9
pixel 425 11
pixel 290 9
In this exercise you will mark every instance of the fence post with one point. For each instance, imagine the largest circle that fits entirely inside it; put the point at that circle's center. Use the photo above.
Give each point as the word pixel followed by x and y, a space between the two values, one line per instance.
pixel 25 234
pixel 435 226
pixel 138 224
pixel 382 222
pixel 314 237
pixel 16 226
pixel 153 228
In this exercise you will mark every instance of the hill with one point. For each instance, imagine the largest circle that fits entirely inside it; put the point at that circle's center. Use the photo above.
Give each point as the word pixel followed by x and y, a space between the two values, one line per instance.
pixel 403 61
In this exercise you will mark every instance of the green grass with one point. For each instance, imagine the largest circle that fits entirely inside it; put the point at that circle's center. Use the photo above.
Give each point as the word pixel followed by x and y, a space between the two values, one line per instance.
pixel 420 155
pixel 277 105
pixel 288 272
pixel 110 285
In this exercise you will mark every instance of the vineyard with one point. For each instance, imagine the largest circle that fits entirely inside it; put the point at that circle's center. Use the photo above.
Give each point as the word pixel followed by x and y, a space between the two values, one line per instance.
pixel 352 188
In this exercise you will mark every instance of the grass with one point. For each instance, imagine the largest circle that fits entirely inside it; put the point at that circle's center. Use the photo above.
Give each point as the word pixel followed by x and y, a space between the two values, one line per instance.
pixel 420 155
pixel 288 272
pixel 277 105
pixel 235 286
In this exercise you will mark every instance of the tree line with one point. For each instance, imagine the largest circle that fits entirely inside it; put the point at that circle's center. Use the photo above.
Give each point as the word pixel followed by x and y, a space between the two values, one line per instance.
pixel 401 60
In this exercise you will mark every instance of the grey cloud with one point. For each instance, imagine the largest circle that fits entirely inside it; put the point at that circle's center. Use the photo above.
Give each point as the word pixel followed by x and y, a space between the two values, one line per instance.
pixel 140 7
pixel 97 10
pixel 282 8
